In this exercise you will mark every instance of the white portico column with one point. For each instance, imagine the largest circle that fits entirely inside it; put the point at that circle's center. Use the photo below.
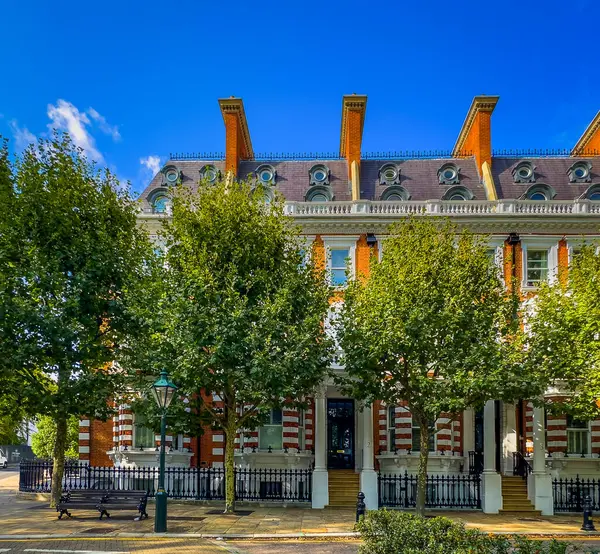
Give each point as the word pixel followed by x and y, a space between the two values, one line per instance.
pixel 368 476
pixel 491 479
pixel 509 438
pixel 320 479
pixel 539 483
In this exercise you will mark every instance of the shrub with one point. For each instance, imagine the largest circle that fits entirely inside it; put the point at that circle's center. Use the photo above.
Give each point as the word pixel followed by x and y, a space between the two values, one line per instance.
pixel 391 532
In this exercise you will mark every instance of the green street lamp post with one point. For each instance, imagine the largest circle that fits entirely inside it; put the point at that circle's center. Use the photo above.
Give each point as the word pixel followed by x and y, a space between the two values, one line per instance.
pixel 163 391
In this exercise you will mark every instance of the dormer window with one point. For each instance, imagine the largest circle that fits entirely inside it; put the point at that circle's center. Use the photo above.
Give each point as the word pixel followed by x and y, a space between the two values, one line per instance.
pixel 266 175
pixel 448 174
pixel 209 173
pixel 319 175
pixel 172 175
pixel 458 194
pixel 524 172
pixel 579 172
pixel 395 194
pixel 389 174
pixel 319 194
pixel 160 201
pixel 593 193
pixel 540 192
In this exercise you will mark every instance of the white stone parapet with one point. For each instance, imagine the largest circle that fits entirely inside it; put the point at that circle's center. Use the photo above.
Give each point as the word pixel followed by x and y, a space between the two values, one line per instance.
pixel 442 207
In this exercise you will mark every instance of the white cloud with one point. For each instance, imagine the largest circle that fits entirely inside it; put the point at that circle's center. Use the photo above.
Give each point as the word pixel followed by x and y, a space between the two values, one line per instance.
pixel 152 163
pixel 105 127
pixel 22 135
pixel 66 117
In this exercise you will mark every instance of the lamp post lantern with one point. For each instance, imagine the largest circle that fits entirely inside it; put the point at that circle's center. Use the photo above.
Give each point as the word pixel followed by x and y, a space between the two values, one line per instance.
pixel 163 391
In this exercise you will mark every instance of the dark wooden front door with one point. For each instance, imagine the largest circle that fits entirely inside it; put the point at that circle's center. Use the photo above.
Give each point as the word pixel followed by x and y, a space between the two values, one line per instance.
pixel 340 434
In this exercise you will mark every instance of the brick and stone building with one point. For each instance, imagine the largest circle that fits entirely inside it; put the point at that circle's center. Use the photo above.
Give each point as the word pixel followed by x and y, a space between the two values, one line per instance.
pixel 537 207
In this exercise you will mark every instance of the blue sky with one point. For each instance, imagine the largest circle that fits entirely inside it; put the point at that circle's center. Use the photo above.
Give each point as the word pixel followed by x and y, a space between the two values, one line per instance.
pixel 137 80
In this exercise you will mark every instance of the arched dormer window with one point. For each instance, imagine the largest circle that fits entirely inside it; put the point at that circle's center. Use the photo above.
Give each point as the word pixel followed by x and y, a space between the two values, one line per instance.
pixel 524 172
pixel 593 193
pixel 389 174
pixel 171 175
pixel 458 193
pixel 580 172
pixel 540 192
pixel 266 175
pixel 209 173
pixel 318 175
pixel 448 174
pixel 319 193
pixel 264 191
pixel 160 201
pixel 395 193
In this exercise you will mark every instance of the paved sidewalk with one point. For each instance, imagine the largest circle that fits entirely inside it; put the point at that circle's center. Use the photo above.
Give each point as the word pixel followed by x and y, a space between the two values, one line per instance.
pixel 26 517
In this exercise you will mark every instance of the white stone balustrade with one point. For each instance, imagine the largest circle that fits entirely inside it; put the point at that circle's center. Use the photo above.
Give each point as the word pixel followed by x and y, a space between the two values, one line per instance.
pixel 442 207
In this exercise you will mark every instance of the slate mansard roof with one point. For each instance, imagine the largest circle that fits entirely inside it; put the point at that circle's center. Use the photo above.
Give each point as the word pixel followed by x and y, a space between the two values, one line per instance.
pixel 419 177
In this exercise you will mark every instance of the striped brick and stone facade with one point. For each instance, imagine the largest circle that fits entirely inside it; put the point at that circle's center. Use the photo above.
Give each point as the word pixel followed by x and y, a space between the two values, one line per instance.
pixel 550 213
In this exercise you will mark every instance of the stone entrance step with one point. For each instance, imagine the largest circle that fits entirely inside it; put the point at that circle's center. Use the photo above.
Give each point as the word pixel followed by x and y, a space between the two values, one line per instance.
pixel 514 497
pixel 343 487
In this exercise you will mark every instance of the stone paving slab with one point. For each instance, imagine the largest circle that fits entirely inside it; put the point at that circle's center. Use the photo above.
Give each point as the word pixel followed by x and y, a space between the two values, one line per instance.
pixel 27 517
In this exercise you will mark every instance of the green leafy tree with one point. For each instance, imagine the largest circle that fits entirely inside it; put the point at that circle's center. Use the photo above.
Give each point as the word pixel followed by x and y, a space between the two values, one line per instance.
pixel 69 249
pixel 429 327
pixel 11 429
pixel 235 310
pixel 43 440
pixel 563 338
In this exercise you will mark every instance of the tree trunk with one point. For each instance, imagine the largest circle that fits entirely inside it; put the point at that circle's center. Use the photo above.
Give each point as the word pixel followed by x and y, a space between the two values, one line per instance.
pixel 58 469
pixel 230 462
pixel 423 457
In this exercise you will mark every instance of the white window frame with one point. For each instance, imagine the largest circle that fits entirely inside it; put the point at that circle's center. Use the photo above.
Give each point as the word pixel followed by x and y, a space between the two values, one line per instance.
pixel 341 243
pixel 309 241
pixel 497 244
pixel 577 243
pixel 391 427
pixel 134 434
pixel 588 432
pixel 270 424
pixel 540 243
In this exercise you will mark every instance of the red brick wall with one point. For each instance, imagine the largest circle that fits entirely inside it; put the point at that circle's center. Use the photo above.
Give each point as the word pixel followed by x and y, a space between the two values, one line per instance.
pixel 353 138
pixel 233 142
pixel 101 439
pixel 563 262
pixel 479 140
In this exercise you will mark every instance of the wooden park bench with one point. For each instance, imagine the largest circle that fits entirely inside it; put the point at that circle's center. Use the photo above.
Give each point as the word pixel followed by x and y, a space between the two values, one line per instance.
pixel 103 501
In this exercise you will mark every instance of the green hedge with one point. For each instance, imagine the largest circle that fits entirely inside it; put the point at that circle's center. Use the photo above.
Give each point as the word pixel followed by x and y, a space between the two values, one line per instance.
pixel 392 532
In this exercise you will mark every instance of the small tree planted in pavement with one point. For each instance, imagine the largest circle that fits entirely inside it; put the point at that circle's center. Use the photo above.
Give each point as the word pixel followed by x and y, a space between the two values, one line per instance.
pixel 236 310
pixel 69 249
pixel 563 337
pixel 429 326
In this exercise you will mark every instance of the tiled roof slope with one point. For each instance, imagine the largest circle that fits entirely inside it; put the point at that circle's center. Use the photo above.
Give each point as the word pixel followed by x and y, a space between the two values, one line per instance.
pixel 190 171
pixel 293 177
pixel 418 177
pixel 548 171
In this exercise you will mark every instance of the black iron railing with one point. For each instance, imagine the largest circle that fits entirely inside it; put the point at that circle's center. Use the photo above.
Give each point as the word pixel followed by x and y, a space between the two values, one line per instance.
pixel 475 462
pixel 442 491
pixel 521 465
pixel 283 485
pixel 570 493
pixel 300 156
pixel 544 153
pixel 398 155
